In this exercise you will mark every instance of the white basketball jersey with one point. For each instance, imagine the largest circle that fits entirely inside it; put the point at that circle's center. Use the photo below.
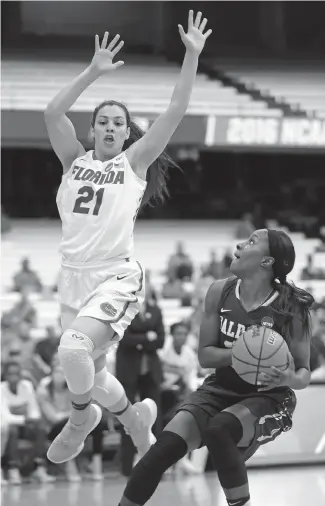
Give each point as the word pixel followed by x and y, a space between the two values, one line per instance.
pixel 98 204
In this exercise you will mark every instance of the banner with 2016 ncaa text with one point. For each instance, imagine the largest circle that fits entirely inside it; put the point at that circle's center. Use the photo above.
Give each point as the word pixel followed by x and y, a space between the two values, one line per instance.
pixel 265 132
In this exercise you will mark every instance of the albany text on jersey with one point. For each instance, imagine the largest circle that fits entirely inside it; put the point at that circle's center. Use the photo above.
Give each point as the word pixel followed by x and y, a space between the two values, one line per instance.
pixel 98 204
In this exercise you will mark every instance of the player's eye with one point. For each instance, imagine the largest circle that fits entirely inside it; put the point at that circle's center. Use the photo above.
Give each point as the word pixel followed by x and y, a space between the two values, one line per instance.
pixel 251 241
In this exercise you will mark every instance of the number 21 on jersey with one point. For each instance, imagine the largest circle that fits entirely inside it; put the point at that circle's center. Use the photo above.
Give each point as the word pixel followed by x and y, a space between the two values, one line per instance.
pixel 87 196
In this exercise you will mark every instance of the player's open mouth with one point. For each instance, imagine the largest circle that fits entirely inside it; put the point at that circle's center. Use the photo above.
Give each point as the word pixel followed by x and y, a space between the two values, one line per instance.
pixel 236 255
pixel 109 139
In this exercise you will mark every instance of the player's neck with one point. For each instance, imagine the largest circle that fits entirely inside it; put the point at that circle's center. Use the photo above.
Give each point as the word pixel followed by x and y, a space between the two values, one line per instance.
pixel 254 290
pixel 103 157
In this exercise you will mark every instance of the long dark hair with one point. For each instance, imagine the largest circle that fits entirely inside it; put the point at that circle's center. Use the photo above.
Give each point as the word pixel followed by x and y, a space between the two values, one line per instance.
pixel 157 175
pixel 292 302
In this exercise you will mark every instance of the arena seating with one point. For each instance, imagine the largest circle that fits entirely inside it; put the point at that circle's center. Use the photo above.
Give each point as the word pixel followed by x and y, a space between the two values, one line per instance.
pixel 299 85
pixel 155 242
pixel 143 86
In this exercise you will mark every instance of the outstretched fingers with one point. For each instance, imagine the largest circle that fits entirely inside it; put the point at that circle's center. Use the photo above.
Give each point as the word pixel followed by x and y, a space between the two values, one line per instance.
pixel 113 42
pixel 190 19
pixel 118 48
pixel 203 25
pixel 198 20
pixel 97 46
pixel 207 34
pixel 104 41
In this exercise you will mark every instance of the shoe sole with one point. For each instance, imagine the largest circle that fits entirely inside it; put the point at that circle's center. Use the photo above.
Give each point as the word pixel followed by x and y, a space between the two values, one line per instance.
pixel 80 447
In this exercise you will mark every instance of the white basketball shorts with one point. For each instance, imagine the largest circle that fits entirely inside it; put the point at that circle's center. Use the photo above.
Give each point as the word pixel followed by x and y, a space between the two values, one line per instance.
pixel 112 292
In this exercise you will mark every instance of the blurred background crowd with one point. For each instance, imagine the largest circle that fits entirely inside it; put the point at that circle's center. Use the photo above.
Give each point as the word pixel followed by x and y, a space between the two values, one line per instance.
pixel 251 149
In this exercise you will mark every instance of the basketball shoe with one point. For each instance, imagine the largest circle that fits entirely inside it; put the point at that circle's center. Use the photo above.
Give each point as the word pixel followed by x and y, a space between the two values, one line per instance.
pixel 141 431
pixel 70 442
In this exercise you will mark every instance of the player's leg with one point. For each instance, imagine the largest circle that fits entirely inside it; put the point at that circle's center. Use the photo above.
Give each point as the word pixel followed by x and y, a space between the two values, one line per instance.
pixel 85 339
pixel 137 419
pixel 180 436
pixel 227 431
pixel 234 435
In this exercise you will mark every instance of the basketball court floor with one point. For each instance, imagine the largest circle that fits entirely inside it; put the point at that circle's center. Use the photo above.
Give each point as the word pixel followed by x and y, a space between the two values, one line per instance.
pixel 296 486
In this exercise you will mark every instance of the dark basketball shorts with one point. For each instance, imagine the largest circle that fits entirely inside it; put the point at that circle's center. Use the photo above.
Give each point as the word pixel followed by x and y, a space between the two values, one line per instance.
pixel 273 410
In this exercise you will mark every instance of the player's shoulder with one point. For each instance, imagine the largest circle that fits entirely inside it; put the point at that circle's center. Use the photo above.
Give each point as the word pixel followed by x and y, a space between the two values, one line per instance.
pixel 216 290
pixel 218 286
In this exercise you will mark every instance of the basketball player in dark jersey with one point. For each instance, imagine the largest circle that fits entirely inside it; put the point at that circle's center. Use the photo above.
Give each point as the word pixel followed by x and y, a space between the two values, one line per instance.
pixel 228 415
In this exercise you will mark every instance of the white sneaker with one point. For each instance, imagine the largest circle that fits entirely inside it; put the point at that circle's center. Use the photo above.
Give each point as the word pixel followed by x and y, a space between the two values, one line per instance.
pixel 41 475
pixel 97 468
pixel 141 432
pixel 73 478
pixel 72 472
pixel 14 477
pixel 70 442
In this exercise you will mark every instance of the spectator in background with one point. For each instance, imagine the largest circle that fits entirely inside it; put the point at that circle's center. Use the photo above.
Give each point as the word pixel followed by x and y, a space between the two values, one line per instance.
pixel 22 350
pixel 180 371
pixel 318 346
pixel 22 315
pixel 6 417
pixel 202 285
pixel 138 366
pixel 23 310
pixel 180 366
pixel 27 279
pixel 245 227
pixel 8 336
pixel 226 262
pixel 46 349
pixel 308 272
pixel 19 396
pixel 180 266
pixel 213 268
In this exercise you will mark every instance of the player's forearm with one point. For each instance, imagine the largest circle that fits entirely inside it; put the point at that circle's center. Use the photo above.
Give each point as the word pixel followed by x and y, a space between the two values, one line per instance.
pixel 300 379
pixel 213 357
pixel 183 89
pixel 62 102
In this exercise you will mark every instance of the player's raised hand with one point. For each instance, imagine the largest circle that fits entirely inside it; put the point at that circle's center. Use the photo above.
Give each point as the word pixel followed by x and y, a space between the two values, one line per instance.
pixel 194 39
pixel 102 61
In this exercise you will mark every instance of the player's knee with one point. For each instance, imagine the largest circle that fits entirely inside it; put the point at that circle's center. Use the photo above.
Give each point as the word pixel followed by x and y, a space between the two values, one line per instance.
pixel 75 357
pixel 168 449
pixel 223 425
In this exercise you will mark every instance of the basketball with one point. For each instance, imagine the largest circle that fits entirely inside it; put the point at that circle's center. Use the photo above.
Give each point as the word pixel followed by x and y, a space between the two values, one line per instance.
pixel 257 350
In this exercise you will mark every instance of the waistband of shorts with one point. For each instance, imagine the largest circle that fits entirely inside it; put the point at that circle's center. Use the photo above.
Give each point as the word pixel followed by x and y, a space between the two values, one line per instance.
pixel 93 265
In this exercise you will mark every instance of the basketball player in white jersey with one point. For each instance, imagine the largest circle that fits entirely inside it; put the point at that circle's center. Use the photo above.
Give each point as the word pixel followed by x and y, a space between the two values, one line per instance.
pixel 101 285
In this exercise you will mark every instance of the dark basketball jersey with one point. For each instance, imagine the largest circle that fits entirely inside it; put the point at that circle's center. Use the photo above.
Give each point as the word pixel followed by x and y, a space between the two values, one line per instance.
pixel 234 320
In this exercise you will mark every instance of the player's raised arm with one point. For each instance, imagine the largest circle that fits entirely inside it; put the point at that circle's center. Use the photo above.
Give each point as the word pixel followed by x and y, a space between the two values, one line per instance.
pixel 60 129
pixel 210 356
pixel 145 151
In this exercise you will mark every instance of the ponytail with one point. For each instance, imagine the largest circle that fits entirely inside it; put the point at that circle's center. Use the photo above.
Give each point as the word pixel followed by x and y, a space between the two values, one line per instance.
pixel 292 303
pixel 157 175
